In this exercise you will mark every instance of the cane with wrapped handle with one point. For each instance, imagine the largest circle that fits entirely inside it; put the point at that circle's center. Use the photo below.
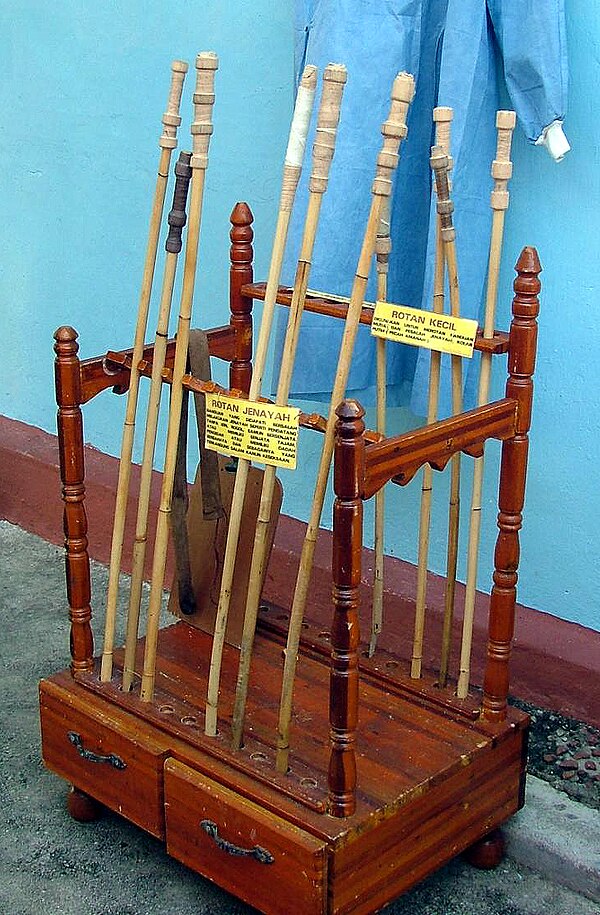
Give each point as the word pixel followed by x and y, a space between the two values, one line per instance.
pixel 167 142
pixel 291 174
pixel 501 173
pixel 394 130
pixel 334 79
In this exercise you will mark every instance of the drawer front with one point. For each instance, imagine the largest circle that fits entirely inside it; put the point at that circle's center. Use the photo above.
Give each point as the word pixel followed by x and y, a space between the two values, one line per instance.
pixel 257 856
pixel 101 751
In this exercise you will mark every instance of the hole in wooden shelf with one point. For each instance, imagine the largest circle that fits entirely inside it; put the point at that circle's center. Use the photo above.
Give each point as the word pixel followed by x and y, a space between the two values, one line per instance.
pixel 325 635
pixel 263 608
pixel 166 709
pixel 282 616
pixel 306 625
pixel 189 720
pixel 391 665
pixel 308 782
pixel 259 757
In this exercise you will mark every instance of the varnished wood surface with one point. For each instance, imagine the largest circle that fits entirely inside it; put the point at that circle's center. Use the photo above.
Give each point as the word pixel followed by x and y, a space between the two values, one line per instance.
pixel 112 369
pixel 402 747
pixel 400 457
pixel 133 787
pixel 430 782
pixel 260 857
pixel 513 473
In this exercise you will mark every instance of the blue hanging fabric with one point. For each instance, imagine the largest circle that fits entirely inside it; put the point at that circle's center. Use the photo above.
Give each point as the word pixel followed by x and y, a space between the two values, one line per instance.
pixel 455 49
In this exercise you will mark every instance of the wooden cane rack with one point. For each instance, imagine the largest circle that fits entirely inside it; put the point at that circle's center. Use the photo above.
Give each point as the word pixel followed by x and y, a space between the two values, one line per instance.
pixel 399 775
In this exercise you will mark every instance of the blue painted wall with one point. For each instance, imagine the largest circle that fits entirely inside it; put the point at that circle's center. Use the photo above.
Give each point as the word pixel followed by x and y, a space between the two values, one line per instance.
pixel 83 88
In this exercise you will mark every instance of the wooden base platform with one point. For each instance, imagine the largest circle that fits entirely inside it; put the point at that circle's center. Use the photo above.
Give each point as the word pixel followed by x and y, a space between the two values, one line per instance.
pixel 433 777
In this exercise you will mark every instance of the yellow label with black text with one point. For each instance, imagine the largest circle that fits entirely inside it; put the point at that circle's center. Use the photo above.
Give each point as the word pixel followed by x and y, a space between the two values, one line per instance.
pixel 442 333
pixel 267 433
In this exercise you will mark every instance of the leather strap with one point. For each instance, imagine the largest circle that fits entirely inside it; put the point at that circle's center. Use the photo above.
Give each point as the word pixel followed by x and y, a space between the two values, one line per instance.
pixel 199 366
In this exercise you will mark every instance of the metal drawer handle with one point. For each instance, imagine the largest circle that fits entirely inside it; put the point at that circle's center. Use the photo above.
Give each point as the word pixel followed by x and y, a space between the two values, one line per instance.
pixel 259 854
pixel 112 759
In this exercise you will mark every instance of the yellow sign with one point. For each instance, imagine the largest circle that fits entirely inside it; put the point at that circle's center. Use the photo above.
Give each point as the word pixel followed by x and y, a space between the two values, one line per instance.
pixel 267 433
pixel 424 328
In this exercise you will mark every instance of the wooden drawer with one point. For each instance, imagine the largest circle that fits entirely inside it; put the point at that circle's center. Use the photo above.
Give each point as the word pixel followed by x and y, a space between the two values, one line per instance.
pixel 100 750
pixel 254 854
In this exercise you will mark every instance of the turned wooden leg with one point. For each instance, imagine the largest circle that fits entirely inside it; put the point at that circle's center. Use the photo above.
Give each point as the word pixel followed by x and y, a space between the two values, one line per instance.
pixel 488 852
pixel 82 807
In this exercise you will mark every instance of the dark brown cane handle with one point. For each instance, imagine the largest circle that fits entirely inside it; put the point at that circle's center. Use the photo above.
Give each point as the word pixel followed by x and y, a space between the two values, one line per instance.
pixel 177 217
pixel 258 853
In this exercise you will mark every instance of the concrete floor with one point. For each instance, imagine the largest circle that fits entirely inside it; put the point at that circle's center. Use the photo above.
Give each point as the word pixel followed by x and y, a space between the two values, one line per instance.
pixel 53 865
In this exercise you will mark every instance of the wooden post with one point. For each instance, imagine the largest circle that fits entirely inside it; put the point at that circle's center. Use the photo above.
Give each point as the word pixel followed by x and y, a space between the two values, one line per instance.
pixel 345 634
pixel 72 474
pixel 513 470
pixel 241 272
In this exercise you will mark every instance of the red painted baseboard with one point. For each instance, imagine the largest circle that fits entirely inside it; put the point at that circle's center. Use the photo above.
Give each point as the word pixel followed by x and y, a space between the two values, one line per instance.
pixel 555 663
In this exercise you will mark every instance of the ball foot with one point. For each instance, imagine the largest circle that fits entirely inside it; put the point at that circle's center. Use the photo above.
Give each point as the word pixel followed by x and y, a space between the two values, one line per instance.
pixel 488 852
pixel 82 807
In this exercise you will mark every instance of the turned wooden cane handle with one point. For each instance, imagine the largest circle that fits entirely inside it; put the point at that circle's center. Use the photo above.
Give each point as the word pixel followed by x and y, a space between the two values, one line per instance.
pixel 171 119
pixel 502 166
pixel 394 130
pixel 207 63
pixel 445 206
pixel 442 117
pixel 294 155
pixel 334 80
pixel 177 216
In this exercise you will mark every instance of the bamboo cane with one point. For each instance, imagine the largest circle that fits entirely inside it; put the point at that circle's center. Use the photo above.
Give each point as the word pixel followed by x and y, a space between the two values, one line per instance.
pixel 167 142
pixel 334 79
pixel 443 120
pixel 394 130
pixel 383 247
pixel 291 175
pixel 501 173
pixel 177 219
pixel 439 163
pixel 206 65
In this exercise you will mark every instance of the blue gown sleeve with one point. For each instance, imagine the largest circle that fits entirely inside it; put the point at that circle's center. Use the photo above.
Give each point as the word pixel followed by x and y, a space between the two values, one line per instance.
pixel 532 41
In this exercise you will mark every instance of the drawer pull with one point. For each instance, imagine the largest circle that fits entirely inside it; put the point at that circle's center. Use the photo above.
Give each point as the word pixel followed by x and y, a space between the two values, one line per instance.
pixel 112 759
pixel 259 854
